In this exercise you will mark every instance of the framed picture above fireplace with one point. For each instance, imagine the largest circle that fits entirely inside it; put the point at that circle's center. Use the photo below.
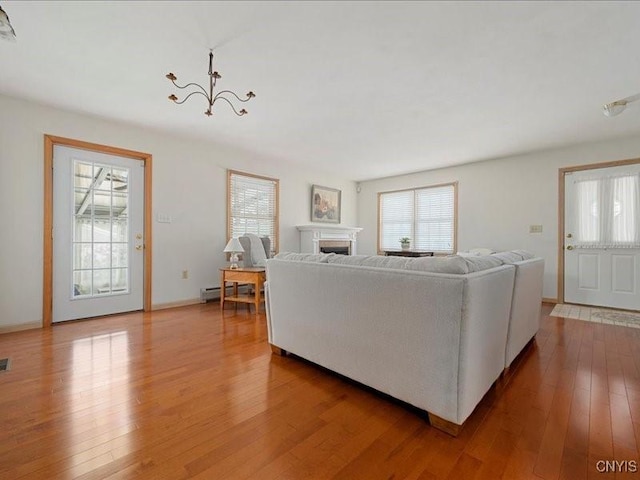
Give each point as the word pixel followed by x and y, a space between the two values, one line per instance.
pixel 325 204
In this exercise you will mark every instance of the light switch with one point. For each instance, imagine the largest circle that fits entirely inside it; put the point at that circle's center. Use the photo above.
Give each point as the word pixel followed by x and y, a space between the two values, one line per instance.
pixel 535 228
pixel 162 218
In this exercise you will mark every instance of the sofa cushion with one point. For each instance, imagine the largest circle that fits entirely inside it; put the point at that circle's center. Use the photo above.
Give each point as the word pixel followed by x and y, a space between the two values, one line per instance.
pixel 481 251
pixel 385 262
pixel 348 259
pixel 305 257
pixel 379 261
pixel 524 254
pixel 484 262
pixel 508 258
pixel 450 264
pixel 513 256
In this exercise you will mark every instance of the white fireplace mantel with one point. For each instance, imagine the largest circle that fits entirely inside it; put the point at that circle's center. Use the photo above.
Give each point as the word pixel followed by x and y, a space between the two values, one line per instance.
pixel 312 235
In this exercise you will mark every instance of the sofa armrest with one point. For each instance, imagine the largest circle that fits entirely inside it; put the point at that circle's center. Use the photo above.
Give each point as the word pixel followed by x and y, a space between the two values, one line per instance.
pixel 524 319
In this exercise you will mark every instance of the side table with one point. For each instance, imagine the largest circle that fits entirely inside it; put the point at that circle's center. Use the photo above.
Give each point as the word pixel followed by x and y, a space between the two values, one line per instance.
pixel 407 253
pixel 254 276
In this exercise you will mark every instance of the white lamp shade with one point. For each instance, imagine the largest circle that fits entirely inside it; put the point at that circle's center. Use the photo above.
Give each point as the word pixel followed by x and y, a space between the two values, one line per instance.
pixel 233 246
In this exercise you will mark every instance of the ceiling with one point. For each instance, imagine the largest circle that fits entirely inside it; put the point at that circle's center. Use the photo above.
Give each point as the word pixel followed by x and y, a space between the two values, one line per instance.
pixel 362 89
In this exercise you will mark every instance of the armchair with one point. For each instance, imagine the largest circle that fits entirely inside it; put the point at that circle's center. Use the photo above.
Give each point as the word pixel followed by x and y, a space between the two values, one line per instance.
pixel 256 250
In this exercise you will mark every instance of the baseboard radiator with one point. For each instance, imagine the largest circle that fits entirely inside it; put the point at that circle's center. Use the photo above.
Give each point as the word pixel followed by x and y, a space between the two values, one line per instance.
pixel 210 294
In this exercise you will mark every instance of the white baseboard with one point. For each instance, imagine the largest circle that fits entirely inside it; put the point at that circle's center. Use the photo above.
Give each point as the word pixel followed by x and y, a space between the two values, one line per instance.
pixel 20 327
pixel 180 303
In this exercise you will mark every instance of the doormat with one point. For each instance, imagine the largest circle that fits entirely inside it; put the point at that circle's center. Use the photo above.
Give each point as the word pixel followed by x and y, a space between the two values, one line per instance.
pixel 597 315
pixel 4 364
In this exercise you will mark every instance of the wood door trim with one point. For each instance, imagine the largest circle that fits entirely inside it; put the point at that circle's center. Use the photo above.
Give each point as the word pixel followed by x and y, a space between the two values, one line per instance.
pixel 49 142
pixel 561 214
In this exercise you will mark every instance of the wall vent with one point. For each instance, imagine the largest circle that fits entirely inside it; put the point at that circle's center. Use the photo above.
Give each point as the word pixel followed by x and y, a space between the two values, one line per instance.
pixel 4 364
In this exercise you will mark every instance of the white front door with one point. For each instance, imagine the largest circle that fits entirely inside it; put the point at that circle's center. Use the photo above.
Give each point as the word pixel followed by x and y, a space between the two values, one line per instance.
pixel 602 237
pixel 98 234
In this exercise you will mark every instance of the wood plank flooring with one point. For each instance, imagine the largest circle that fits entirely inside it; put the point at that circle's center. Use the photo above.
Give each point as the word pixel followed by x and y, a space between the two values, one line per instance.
pixel 194 393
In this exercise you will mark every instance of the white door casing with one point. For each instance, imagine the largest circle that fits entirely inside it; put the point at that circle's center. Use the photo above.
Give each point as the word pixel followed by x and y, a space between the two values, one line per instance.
pixel 601 244
pixel 98 234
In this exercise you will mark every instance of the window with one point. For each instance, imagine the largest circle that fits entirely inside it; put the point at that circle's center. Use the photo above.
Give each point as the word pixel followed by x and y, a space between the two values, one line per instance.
pixel 100 230
pixel 607 211
pixel 426 215
pixel 252 206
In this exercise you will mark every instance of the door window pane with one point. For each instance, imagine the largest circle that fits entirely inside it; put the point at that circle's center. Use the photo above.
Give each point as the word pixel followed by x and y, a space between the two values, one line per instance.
pixel 82 283
pixel 607 209
pixel 82 256
pixel 119 255
pixel 101 281
pixel 119 229
pixel 120 279
pixel 101 255
pixel 100 230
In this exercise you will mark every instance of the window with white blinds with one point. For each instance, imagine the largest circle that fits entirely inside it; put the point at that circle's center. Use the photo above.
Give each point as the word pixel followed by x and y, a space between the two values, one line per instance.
pixel 252 204
pixel 425 215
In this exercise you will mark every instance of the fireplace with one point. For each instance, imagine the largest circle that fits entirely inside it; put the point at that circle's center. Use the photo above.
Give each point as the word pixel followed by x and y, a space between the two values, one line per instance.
pixel 340 247
pixel 328 239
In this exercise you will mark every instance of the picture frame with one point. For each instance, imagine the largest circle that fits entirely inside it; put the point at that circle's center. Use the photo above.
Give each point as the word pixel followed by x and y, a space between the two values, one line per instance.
pixel 325 204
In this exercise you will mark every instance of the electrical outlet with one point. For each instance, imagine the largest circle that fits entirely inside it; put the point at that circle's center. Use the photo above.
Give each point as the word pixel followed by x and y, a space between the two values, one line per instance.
pixel 185 274
pixel 535 228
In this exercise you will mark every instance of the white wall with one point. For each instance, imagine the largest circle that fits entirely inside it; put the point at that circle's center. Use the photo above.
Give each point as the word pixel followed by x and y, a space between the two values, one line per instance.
pixel 499 199
pixel 189 184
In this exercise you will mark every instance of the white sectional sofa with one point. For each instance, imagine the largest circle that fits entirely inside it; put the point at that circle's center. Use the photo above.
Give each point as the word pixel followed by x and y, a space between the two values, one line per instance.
pixel 524 317
pixel 432 332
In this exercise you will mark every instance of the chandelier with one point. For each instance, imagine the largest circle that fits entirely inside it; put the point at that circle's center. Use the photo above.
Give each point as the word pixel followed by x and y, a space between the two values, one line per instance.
pixel 6 30
pixel 211 98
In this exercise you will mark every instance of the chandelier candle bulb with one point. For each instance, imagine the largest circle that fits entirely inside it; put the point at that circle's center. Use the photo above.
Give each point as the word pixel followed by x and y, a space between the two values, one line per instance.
pixel 211 98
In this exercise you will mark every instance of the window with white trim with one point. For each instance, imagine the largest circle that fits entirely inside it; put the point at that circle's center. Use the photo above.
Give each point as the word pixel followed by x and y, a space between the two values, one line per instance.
pixel 426 215
pixel 252 206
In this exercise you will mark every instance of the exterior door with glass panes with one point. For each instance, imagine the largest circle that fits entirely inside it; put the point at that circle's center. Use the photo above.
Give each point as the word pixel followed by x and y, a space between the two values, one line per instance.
pixel 602 237
pixel 98 235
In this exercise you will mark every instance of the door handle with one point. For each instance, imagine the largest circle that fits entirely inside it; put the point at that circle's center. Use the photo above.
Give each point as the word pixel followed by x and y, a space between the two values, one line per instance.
pixel 139 247
pixel 569 247
pixel 569 235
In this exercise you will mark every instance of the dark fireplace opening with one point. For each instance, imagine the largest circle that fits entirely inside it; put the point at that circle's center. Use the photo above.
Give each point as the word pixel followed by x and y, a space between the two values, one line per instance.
pixel 336 250
pixel 339 247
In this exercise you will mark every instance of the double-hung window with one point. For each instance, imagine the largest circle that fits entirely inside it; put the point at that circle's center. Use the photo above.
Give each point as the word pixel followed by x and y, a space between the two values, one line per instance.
pixel 426 215
pixel 252 206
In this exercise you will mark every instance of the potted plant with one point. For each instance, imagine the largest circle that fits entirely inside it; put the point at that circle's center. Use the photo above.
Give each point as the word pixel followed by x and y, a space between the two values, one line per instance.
pixel 405 243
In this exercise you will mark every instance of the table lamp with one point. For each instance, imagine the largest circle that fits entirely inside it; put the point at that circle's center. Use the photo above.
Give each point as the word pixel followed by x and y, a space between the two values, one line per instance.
pixel 233 247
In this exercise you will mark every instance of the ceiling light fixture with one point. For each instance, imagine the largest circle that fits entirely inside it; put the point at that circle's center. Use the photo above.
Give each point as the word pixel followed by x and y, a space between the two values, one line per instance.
pixel 221 95
pixel 614 108
pixel 6 30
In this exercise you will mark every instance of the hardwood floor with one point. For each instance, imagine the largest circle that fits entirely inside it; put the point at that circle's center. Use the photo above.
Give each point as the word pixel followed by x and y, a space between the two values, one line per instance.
pixel 190 393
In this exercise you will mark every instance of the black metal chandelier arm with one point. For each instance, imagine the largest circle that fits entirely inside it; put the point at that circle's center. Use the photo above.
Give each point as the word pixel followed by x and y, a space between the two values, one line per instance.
pixel 204 92
pixel 209 94
pixel 192 93
pixel 249 97
pixel 240 113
